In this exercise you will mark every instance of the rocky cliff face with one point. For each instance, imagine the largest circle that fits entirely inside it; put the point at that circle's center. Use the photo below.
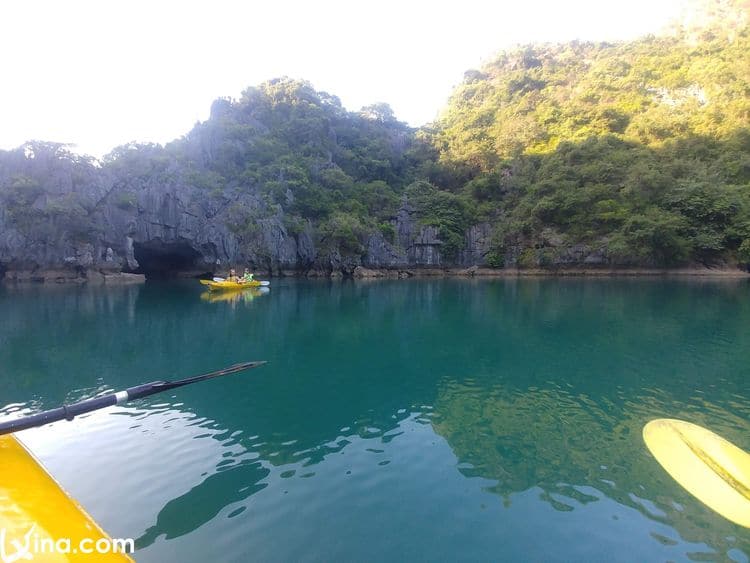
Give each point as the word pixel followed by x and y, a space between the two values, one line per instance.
pixel 158 224
pixel 168 227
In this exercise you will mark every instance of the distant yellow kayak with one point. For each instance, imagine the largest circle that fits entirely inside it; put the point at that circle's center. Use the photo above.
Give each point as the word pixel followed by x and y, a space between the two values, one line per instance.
pixel 712 469
pixel 227 285
pixel 35 512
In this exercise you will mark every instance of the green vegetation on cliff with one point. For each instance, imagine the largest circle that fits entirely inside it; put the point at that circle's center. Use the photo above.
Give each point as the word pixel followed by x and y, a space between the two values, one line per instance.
pixel 637 153
pixel 641 147
pixel 302 151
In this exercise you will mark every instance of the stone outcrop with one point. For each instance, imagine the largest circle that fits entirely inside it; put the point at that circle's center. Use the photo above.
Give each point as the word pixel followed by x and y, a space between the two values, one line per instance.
pixel 478 241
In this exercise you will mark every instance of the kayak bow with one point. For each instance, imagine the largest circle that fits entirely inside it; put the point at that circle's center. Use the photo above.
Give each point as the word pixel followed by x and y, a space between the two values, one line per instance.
pixel 35 511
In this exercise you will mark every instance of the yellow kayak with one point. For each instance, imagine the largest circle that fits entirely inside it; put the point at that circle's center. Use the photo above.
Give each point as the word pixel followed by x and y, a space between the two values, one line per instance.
pixel 227 285
pixel 36 512
pixel 712 469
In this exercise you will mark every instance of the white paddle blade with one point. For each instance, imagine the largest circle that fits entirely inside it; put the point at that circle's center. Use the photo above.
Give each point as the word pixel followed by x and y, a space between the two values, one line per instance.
pixel 265 283
pixel 219 279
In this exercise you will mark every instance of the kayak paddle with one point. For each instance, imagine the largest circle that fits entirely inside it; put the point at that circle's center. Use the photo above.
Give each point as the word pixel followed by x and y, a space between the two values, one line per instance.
pixel 709 467
pixel 68 412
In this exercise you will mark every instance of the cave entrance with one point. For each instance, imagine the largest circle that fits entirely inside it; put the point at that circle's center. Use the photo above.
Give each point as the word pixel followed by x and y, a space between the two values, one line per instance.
pixel 157 259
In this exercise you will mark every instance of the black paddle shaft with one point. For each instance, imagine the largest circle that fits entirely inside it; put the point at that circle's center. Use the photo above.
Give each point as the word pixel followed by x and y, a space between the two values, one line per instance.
pixel 68 412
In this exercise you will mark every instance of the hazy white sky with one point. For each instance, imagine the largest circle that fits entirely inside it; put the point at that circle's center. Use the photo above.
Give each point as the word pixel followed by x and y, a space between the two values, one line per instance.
pixel 105 72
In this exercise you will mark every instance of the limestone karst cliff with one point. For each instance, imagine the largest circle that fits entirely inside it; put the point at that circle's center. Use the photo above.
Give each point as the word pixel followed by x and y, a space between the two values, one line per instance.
pixel 549 156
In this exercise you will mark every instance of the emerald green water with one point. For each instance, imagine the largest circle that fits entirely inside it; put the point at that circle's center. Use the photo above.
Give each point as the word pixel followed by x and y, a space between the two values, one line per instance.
pixel 395 420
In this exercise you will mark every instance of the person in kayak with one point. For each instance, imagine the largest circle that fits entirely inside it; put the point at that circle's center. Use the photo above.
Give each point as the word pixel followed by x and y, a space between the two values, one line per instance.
pixel 247 276
pixel 232 277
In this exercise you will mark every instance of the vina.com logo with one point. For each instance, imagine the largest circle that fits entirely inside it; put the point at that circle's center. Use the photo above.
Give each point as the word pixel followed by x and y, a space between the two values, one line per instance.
pixel 13 550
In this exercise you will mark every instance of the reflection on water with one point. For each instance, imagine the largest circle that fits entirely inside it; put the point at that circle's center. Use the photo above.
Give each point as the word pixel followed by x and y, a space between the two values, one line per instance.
pixel 434 420
pixel 245 295
pixel 577 450
pixel 179 517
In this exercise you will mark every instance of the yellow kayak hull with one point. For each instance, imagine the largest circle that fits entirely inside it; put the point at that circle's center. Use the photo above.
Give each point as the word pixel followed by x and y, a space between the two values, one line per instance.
pixel 35 511
pixel 711 468
pixel 227 285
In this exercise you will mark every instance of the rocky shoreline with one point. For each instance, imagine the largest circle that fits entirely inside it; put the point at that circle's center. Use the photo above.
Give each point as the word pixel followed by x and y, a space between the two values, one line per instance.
pixel 363 273
pixel 71 277
pixel 95 277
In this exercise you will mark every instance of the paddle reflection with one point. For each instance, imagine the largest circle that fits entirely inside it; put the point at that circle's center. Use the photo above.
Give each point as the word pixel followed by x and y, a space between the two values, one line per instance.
pixel 203 502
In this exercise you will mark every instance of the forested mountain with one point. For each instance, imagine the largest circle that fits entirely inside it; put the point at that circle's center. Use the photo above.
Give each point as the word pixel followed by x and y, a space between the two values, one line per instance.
pixel 640 148
pixel 624 154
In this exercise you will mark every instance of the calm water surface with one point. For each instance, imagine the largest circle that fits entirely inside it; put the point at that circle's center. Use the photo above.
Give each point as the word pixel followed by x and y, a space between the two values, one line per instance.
pixel 422 420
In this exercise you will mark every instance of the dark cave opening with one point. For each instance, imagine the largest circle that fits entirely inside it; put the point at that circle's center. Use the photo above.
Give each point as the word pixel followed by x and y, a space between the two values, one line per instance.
pixel 157 259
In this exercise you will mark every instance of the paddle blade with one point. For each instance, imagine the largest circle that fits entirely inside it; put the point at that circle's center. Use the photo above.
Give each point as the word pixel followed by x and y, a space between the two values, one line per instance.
pixel 709 467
